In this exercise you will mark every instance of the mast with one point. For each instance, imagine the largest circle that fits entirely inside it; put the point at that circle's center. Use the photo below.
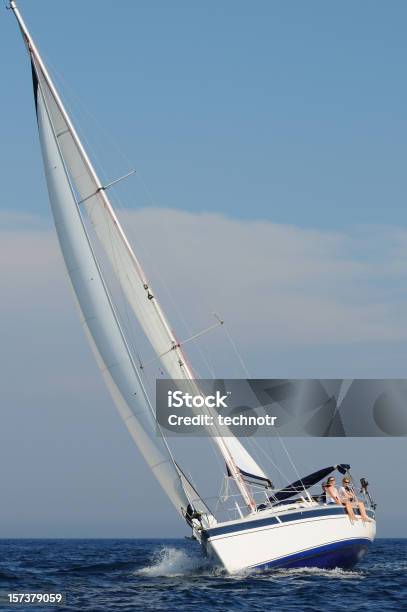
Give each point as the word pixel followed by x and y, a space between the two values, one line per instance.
pixel 99 190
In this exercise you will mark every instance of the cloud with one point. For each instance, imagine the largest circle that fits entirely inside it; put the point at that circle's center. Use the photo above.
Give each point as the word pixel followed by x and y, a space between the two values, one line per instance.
pixel 274 284
pixel 279 283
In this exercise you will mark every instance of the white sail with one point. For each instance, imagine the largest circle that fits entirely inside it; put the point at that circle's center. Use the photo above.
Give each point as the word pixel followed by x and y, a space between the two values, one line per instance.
pixel 91 195
pixel 126 266
pixel 98 316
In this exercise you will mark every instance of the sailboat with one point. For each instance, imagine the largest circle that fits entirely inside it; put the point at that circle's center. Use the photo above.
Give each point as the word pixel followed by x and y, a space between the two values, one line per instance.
pixel 289 527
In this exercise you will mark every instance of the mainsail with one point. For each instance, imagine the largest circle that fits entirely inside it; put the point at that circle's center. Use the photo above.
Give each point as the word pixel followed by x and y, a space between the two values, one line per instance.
pixel 74 185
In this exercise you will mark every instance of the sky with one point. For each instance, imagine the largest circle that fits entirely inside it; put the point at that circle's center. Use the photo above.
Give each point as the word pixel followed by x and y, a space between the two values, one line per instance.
pixel 270 145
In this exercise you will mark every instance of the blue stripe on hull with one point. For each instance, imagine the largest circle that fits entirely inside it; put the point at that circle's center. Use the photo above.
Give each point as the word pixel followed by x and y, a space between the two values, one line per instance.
pixel 321 512
pixel 338 554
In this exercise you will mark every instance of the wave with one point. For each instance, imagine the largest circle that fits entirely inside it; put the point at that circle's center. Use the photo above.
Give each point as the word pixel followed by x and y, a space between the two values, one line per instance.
pixel 170 561
pixel 317 571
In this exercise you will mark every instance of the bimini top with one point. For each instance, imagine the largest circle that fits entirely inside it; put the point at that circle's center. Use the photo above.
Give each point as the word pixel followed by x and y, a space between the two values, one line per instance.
pixel 307 482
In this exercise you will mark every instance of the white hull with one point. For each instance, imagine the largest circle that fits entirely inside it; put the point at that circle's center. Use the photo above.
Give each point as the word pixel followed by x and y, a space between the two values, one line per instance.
pixel 316 537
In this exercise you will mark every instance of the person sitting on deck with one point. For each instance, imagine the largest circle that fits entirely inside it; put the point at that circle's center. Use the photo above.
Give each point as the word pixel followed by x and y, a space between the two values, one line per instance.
pixel 347 493
pixel 332 497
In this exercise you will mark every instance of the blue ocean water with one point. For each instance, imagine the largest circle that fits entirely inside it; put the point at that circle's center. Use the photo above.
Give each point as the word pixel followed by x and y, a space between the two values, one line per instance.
pixel 172 575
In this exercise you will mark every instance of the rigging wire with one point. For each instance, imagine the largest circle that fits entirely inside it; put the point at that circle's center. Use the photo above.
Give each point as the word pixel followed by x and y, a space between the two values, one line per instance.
pixel 268 456
pixel 236 351
pixel 280 439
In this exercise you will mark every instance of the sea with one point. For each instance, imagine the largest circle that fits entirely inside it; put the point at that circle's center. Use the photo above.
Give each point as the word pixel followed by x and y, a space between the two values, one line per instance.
pixel 173 576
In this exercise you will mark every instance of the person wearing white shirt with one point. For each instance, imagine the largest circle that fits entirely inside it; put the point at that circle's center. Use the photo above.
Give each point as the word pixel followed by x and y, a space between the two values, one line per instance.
pixel 332 497
pixel 347 494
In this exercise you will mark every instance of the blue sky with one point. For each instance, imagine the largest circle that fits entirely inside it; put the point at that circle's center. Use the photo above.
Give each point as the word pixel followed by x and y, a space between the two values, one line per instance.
pixel 273 139
pixel 292 112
